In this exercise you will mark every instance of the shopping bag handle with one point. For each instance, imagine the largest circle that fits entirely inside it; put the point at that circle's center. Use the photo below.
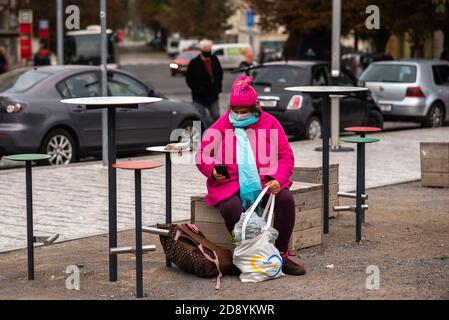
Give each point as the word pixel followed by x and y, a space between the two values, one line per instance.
pixel 270 204
pixel 251 211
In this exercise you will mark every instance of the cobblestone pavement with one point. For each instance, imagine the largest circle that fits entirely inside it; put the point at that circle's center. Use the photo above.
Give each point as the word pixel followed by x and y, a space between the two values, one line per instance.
pixel 73 200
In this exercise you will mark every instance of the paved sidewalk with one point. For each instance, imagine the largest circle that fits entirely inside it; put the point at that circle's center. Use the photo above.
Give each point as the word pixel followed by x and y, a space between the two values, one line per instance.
pixel 73 200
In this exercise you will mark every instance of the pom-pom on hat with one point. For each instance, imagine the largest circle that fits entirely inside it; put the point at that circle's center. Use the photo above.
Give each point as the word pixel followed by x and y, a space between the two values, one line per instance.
pixel 242 93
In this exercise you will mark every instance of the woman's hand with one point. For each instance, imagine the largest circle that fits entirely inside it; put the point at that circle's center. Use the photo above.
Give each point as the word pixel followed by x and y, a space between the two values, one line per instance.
pixel 274 186
pixel 218 177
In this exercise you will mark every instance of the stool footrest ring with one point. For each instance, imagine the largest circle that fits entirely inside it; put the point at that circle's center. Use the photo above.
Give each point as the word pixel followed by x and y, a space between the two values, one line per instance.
pixel 47 241
pixel 161 232
pixel 349 208
pixel 123 250
pixel 351 195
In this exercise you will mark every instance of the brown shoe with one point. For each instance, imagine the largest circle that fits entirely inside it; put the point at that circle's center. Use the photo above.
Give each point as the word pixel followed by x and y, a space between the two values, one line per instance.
pixel 292 267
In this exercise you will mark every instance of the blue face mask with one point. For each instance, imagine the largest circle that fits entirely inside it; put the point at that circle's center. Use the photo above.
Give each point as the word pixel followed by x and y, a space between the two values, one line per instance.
pixel 241 117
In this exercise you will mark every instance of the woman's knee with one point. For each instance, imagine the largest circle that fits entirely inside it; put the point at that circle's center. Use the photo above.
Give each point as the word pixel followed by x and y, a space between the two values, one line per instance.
pixel 230 206
pixel 285 197
pixel 231 209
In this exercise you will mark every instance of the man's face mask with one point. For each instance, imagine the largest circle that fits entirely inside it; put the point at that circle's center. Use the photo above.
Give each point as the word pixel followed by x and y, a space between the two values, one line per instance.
pixel 206 54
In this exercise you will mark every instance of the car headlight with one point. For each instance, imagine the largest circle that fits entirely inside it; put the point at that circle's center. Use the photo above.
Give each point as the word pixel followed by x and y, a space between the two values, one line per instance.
pixel 174 66
pixel 13 107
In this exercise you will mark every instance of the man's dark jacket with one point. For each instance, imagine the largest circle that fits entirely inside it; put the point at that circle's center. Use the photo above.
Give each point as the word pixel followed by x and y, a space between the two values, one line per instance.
pixel 204 89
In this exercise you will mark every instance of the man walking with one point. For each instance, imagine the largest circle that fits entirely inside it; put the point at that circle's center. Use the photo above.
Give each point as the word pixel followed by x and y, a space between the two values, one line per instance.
pixel 205 77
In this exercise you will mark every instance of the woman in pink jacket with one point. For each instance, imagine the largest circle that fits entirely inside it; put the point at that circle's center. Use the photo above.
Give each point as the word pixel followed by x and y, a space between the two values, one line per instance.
pixel 255 150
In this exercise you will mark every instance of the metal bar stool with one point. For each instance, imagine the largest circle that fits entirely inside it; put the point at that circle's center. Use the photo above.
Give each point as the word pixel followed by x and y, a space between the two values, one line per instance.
pixel 139 249
pixel 359 207
pixel 168 181
pixel 31 239
pixel 363 131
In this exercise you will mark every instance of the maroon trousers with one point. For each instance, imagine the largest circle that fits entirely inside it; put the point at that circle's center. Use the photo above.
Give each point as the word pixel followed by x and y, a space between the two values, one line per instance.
pixel 284 215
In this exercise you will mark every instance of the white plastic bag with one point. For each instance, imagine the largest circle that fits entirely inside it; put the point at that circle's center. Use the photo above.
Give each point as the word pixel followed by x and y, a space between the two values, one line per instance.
pixel 254 226
pixel 257 258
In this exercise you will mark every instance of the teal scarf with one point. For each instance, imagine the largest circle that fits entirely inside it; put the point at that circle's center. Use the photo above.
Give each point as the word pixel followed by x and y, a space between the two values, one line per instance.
pixel 250 185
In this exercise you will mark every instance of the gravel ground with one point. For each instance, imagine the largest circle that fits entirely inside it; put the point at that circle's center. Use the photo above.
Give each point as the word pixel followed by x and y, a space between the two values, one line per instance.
pixel 406 236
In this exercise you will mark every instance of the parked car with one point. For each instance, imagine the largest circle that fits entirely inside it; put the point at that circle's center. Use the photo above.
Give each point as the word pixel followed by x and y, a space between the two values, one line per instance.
pixel 411 90
pixel 180 64
pixel 300 113
pixel 271 50
pixel 172 47
pixel 233 55
pixel 81 47
pixel 32 118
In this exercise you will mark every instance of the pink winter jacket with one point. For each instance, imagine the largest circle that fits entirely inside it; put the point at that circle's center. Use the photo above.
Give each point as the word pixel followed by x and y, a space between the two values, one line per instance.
pixel 272 152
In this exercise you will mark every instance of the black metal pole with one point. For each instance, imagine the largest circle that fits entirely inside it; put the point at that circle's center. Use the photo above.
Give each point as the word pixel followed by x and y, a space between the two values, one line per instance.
pixel 358 211
pixel 325 131
pixel 30 236
pixel 112 177
pixel 139 264
pixel 363 177
pixel 168 195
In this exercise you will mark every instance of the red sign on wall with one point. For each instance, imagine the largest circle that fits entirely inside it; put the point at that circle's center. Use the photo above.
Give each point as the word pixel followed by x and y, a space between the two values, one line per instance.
pixel 26 48
pixel 26 34
pixel 44 33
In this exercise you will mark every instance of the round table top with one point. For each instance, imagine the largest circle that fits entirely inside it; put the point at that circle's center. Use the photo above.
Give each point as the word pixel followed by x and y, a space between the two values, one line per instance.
pixel 363 129
pixel 326 89
pixel 359 140
pixel 110 101
pixel 161 149
pixel 136 165
pixel 28 157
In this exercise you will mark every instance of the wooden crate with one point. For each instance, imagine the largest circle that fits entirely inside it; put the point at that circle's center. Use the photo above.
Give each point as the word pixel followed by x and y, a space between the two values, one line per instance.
pixel 434 164
pixel 308 229
pixel 315 175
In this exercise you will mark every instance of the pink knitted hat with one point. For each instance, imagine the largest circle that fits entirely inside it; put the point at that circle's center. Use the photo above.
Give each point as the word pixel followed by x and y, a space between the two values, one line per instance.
pixel 242 93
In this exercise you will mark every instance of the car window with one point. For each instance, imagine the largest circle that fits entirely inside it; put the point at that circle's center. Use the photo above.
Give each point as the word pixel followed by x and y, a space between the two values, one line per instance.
pixel 80 86
pixel 279 76
pixel 219 52
pixel 121 85
pixel 319 77
pixel 187 55
pixel 441 74
pixel 63 90
pixel 84 49
pixel 22 80
pixel 401 73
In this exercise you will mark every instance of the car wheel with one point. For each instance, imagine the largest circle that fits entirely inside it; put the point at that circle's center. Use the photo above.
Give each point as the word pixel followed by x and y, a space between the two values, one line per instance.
pixel 313 128
pixel 173 73
pixel 61 146
pixel 435 117
pixel 375 119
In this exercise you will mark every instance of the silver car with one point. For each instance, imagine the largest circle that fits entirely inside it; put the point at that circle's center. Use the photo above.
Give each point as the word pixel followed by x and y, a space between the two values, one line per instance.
pixel 410 90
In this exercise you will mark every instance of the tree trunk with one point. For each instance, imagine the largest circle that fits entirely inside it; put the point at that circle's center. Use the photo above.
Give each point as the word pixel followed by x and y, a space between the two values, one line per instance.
pixel 380 40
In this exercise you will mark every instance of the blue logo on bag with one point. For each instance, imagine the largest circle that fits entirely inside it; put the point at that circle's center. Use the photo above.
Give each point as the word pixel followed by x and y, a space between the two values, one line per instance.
pixel 270 267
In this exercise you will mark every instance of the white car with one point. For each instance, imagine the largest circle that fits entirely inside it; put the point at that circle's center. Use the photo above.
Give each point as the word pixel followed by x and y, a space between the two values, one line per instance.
pixel 232 55
pixel 410 90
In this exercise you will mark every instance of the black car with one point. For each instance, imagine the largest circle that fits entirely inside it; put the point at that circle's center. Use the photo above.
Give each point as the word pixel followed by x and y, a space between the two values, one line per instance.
pixel 33 119
pixel 300 114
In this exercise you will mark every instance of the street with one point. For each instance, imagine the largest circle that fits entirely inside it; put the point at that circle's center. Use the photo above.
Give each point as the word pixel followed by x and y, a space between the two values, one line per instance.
pixel 152 69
